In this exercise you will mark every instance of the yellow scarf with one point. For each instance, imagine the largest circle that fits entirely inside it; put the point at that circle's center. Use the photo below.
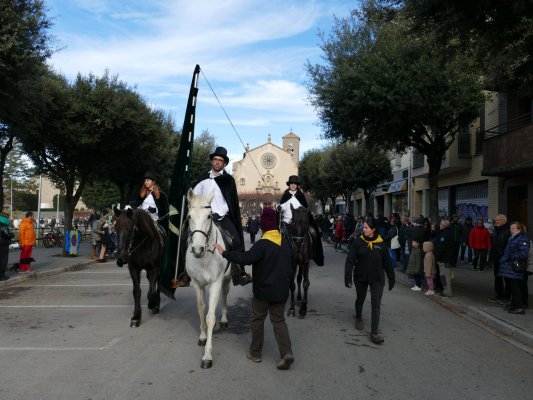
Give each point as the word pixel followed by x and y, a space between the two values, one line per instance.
pixel 274 236
pixel 370 243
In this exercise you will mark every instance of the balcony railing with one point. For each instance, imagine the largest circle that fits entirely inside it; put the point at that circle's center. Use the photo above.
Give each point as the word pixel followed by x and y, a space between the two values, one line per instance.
pixel 509 126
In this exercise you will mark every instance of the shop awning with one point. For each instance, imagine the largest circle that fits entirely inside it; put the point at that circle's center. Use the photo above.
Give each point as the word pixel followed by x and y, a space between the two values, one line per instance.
pixel 398 186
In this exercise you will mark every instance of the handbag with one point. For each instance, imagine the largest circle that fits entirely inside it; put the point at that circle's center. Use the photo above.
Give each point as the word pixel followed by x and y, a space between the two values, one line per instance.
pixel 395 241
pixel 519 266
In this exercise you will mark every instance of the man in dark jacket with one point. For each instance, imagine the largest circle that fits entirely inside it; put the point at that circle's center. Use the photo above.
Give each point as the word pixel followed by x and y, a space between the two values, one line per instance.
pixel 501 236
pixel 253 227
pixel 271 262
pixel 444 250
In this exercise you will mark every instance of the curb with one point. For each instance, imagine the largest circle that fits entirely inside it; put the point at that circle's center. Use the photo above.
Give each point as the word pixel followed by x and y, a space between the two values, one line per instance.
pixel 47 272
pixel 503 327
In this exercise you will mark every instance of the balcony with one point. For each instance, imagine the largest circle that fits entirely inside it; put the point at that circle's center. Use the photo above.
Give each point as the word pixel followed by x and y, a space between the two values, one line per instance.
pixel 458 157
pixel 508 148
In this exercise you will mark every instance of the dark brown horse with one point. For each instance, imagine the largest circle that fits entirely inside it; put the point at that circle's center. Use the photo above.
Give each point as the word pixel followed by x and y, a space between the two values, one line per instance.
pixel 140 245
pixel 302 252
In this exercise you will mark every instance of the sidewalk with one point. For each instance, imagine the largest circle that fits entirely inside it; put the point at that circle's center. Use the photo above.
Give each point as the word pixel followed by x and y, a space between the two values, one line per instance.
pixel 47 262
pixel 471 291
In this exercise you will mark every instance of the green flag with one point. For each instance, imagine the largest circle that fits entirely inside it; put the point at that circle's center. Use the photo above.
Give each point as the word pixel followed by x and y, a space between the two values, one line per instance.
pixel 181 180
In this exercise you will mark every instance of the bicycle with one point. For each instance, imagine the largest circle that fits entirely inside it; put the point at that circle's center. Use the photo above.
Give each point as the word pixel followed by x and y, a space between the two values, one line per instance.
pixel 53 238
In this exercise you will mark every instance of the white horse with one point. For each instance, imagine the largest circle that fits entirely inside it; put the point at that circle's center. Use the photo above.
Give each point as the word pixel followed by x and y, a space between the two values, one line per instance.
pixel 207 269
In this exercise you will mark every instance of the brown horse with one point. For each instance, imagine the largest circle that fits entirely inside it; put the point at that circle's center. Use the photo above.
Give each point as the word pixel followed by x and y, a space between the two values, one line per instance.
pixel 302 253
pixel 140 245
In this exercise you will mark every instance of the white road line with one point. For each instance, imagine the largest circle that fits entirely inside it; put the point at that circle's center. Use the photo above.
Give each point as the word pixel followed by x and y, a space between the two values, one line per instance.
pixel 79 285
pixel 106 347
pixel 161 306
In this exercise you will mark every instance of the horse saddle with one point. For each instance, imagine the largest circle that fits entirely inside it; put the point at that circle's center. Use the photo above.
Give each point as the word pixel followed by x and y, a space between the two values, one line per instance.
pixel 226 235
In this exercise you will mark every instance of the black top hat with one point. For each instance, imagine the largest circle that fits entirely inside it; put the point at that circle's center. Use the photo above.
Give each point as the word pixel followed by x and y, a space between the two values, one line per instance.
pixel 221 152
pixel 150 175
pixel 293 179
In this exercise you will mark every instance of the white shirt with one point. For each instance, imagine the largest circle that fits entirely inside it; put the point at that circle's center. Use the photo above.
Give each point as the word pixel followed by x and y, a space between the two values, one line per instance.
pixel 218 205
pixel 286 207
pixel 149 201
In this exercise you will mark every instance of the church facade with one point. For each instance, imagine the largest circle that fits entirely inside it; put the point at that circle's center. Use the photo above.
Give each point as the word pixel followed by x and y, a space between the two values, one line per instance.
pixel 261 174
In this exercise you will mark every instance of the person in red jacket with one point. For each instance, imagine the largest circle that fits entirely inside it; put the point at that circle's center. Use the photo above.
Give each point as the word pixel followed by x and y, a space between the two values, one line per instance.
pixel 479 240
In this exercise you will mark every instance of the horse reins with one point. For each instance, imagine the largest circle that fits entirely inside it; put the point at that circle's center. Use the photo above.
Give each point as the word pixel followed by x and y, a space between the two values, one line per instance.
pixel 130 250
pixel 207 235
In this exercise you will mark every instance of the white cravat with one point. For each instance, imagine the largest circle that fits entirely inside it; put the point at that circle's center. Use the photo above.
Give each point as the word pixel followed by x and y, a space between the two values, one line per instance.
pixel 286 207
pixel 149 201
pixel 218 205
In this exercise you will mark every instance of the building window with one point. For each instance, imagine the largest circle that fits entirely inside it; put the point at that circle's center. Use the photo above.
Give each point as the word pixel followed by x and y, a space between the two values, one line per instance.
pixel 242 182
pixel 418 159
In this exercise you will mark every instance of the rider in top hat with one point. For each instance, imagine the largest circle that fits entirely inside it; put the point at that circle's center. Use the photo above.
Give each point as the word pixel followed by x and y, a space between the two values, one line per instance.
pixel 225 204
pixel 295 197
pixel 153 200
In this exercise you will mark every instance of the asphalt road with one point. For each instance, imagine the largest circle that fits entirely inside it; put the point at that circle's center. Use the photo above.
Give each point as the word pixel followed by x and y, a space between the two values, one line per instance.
pixel 67 336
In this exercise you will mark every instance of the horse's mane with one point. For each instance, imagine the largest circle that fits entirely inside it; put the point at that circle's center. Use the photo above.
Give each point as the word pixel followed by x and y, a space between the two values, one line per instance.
pixel 144 222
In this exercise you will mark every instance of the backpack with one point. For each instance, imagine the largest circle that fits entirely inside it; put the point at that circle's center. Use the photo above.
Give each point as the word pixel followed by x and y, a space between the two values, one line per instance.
pixel 529 269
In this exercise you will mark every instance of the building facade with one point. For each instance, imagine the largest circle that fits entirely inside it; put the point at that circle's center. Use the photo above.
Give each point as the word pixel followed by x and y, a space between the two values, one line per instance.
pixel 263 171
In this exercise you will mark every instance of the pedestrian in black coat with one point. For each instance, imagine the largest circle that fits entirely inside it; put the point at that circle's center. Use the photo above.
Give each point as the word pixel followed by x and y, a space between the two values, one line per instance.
pixel 253 227
pixel 368 260
pixel 270 258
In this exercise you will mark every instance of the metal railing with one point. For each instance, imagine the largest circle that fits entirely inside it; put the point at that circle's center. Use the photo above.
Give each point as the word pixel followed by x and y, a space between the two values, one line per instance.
pixel 508 126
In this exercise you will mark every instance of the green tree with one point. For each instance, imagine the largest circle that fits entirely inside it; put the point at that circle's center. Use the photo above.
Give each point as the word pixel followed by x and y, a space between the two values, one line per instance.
pixel 385 86
pixel 203 146
pixel 99 195
pixel 24 48
pixel 95 129
pixel 310 169
pixel 499 32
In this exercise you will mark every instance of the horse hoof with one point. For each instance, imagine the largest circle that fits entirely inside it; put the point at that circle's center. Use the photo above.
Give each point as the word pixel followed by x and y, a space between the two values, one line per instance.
pixel 291 313
pixel 206 364
pixel 224 325
pixel 202 342
pixel 155 310
pixel 135 323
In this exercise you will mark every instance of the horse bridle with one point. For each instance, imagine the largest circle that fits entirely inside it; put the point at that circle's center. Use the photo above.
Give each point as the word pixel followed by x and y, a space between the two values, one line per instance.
pixel 297 240
pixel 132 249
pixel 207 235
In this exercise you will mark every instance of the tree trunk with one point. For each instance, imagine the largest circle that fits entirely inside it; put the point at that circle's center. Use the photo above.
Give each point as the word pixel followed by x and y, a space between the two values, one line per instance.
pixel 433 178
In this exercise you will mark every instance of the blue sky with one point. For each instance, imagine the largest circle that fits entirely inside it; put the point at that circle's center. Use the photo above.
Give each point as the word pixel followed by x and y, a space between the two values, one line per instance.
pixel 252 52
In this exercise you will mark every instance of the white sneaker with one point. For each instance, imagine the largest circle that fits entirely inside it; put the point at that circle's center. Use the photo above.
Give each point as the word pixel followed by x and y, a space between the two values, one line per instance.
pixel 430 293
pixel 416 288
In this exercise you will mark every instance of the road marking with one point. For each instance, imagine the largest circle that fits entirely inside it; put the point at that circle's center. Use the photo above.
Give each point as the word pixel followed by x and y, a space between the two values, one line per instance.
pixel 161 306
pixel 106 347
pixel 79 285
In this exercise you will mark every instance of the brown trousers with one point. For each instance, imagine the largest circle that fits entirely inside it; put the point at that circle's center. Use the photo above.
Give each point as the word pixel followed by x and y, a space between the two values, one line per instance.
pixel 260 309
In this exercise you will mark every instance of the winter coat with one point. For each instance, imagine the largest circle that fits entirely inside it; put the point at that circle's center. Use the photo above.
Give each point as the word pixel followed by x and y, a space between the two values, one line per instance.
pixel 430 264
pixel 339 230
pixel 467 228
pixel 517 249
pixel 499 241
pixel 26 232
pixel 369 260
pixel 457 231
pixel 253 225
pixel 415 265
pixel 271 266
pixel 443 245
pixel 479 238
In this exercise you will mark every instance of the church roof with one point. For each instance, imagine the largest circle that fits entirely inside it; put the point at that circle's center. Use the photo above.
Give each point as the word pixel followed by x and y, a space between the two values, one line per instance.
pixel 291 134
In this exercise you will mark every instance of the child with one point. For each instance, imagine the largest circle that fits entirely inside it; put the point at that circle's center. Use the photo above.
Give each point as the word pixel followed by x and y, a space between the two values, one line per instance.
pixel 415 266
pixel 430 267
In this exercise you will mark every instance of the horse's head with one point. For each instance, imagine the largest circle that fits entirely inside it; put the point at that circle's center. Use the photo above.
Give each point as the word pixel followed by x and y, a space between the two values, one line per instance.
pixel 299 225
pixel 124 226
pixel 200 221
